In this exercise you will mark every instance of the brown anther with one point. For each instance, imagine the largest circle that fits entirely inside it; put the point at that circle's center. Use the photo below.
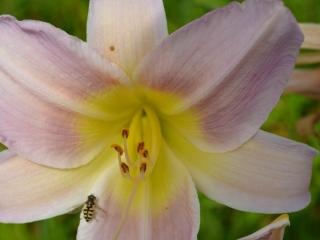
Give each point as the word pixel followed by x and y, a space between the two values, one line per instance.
pixel 143 167
pixel 117 148
pixel 140 147
pixel 145 154
pixel 125 133
pixel 124 168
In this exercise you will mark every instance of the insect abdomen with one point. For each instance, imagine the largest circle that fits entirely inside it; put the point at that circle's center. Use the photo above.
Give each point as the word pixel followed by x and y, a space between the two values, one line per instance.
pixel 88 212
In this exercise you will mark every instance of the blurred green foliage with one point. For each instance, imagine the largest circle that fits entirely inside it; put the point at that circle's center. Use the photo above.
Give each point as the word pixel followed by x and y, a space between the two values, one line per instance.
pixel 217 221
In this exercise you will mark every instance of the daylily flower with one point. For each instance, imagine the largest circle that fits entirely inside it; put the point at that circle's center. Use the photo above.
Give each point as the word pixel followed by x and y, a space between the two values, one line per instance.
pixel 307 81
pixel 273 231
pixel 180 111
pixel 312 35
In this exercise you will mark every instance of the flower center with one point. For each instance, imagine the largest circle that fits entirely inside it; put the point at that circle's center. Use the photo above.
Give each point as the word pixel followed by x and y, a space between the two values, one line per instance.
pixel 140 146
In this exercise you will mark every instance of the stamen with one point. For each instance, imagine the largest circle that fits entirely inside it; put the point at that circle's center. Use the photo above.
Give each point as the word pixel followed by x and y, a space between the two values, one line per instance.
pixel 117 148
pixel 125 170
pixel 143 168
pixel 134 170
pixel 125 133
pixel 140 147
pixel 145 154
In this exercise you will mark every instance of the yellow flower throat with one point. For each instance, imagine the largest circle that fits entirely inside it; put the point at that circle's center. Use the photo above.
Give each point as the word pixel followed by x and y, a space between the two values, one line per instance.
pixel 135 122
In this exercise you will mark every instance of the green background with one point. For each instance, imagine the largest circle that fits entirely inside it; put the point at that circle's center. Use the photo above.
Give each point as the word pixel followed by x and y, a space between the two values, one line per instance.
pixel 217 221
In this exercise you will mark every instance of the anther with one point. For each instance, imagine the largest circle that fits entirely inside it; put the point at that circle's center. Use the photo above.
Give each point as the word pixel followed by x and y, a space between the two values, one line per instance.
pixel 140 147
pixel 117 148
pixel 125 133
pixel 143 168
pixel 145 154
pixel 125 170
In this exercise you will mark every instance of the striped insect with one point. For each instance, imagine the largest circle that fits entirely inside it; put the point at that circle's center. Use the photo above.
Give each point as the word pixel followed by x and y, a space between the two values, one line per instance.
pixel 89 208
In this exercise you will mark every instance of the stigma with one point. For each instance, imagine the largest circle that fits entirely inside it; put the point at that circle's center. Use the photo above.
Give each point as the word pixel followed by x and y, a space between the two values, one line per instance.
pixel 133 166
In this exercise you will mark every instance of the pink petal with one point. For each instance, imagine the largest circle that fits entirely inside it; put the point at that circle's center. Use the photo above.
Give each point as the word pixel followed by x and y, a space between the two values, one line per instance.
pixel 273 231
pixel 31 192
pixel 52 64
pixel 45 75
pixel 267 174
pixel 231 66
pixel 125 30
pixel 165 206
